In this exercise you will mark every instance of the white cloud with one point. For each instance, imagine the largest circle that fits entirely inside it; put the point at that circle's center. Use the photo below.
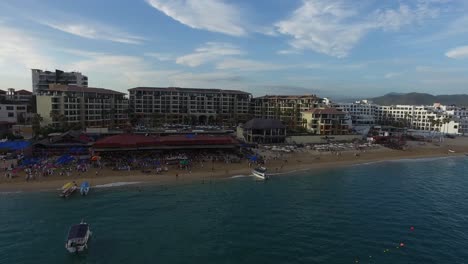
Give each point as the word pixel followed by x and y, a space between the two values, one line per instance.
pixel 247 65
pixel 21 51
pixel 211 15
pixel 392 75
pixel 458 53
pixel 334 27
pixel 94 31
pixel 160 56
pixel 288 52
pixel 210 52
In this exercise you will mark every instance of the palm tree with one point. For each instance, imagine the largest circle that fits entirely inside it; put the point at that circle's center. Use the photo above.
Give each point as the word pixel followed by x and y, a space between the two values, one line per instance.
pixel 446 121
pixel 36 124
pixel 62 119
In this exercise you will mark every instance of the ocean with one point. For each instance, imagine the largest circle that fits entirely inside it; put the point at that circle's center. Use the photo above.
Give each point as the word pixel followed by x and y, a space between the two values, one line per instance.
pixel 409 211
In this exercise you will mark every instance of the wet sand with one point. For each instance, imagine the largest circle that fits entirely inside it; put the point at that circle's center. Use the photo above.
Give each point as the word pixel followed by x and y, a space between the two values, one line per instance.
pixel 302 160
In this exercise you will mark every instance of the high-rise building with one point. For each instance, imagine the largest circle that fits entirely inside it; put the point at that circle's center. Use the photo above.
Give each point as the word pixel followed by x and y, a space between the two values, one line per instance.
pixel 287 108
pixel 82 106
pixel 41 79
pixel 190 105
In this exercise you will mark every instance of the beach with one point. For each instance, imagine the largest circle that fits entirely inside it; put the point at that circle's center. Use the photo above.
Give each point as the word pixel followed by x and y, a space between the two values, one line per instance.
pixel 302 159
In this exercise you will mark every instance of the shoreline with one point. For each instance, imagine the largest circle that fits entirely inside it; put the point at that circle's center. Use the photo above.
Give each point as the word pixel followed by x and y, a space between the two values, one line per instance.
pixel 309 162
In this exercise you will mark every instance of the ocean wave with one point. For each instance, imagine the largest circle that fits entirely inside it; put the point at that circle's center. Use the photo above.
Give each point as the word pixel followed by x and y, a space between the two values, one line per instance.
pixel 114 184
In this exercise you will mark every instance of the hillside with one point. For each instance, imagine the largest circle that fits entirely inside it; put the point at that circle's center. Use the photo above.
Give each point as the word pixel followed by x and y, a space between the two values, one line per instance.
pixel 421 99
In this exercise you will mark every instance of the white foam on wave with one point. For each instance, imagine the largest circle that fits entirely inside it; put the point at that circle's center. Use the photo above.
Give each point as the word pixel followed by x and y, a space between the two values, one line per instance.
pixel 115 184
pixel 238 176
pixel 8 193
pixel 404 160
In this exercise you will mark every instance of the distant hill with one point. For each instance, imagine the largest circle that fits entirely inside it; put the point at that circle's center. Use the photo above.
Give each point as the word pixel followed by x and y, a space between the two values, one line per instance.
pixel 421 99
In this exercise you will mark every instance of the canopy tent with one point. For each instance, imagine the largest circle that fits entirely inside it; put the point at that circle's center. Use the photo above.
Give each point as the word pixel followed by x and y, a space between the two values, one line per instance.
pixel 14 145
pixel 253 158
pixel 30 161
pixel 64 159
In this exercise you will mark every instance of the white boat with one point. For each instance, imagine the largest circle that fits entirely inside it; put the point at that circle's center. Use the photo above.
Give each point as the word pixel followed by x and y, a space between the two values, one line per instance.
pixel 260 172
pixel 451 151
pixel 78 237
pixel 68 189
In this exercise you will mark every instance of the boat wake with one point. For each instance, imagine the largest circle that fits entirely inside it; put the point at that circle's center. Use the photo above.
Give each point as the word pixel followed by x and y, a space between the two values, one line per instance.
pixel 115 184
pixel 239 176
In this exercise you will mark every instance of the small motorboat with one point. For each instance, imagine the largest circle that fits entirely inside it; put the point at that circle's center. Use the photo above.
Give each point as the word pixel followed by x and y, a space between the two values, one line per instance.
pixel 78 237
pixel 84 188
pixel 260 172
pixel 68 189
pixel 451 151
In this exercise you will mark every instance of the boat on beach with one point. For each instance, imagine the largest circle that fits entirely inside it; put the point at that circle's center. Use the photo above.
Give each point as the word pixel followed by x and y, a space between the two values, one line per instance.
pixel 68 189
pixel 78 236
pixel 451 151
pixel 261 173
pixel 84 188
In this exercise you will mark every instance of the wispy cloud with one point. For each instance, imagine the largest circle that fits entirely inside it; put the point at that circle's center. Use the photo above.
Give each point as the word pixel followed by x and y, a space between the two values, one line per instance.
pixel 458 53
pixel 160 56
pixel 210 52
pixel 212 15
pixel 247 65
pixel 335 27
pixel 288 52
pixel 22 50
pixel 392 75
pixel 93 31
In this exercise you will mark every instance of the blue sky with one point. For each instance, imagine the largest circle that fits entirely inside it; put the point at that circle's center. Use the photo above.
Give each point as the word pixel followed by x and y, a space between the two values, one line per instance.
pixel 337 48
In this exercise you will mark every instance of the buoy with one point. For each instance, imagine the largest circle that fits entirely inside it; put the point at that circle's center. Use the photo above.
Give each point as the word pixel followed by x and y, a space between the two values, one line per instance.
pixel 412 228
pixel 402 244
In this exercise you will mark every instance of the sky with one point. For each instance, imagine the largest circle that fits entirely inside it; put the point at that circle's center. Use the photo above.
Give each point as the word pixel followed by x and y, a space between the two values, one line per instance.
pixel 333 48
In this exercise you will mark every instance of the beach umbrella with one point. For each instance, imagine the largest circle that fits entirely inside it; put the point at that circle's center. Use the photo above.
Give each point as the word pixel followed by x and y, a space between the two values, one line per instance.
pixel 253 158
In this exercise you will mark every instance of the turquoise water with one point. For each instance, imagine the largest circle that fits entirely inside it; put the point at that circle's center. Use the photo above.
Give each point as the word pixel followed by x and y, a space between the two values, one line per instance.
pixel 360 213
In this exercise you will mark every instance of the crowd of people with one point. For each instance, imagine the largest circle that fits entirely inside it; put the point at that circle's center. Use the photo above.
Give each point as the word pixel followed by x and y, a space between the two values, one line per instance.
pixel 150 162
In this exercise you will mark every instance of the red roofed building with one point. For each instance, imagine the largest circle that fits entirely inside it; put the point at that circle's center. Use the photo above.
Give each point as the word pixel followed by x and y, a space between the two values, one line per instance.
pixel 326 121
pixel 141 142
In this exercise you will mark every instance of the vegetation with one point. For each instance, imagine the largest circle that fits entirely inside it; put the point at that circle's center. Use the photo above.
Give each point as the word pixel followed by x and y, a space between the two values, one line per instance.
pixel 421 99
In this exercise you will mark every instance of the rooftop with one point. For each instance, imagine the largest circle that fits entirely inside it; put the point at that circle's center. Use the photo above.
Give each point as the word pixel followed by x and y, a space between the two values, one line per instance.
pixel 75 88
pixel 325 111
pixel 77 231
pixel 260 123
pixel 190 90
pixel 142 141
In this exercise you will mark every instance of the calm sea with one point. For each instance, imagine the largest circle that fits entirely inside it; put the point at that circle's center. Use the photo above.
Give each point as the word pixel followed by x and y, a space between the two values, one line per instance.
pixel 358 214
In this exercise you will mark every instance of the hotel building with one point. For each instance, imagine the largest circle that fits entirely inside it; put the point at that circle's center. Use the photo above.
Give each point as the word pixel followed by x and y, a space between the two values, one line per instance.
pixel 287 108
pixel 446 119
pixel 326 121
pixel 190 105
pixel 82 106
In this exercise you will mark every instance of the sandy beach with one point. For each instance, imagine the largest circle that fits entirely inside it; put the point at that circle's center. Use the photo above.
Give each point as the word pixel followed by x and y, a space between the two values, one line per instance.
pixel 302 159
